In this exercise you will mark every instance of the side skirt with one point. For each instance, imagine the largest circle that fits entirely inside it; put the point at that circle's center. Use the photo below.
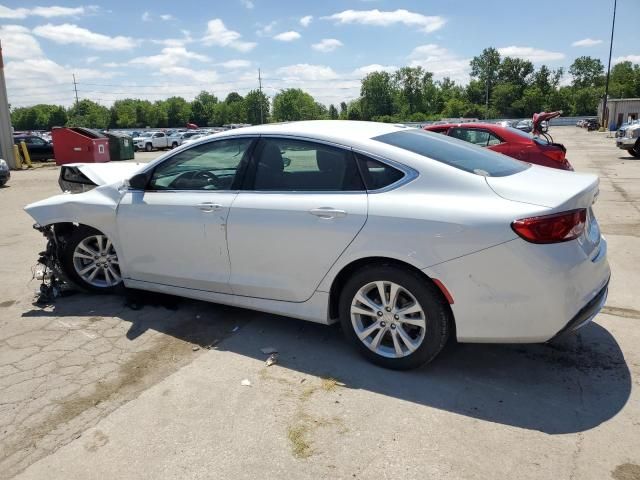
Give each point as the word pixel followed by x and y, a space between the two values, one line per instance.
pixel 316 309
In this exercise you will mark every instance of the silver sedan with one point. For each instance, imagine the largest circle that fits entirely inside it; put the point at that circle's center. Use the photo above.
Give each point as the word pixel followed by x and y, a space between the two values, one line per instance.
pixel 406 237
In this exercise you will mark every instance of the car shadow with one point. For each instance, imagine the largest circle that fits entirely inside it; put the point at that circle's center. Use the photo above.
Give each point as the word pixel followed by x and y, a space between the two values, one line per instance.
pixel 567 387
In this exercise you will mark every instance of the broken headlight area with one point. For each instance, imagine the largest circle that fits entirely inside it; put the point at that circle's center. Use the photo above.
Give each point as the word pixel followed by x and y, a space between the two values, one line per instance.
pixel 74 181
pixel 48 270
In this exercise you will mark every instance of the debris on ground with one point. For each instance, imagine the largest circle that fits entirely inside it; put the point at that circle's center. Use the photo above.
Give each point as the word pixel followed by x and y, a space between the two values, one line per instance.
pixel 269 350
pixel 235 329
pixel 195 348
pixel 246 382
pixel 273 358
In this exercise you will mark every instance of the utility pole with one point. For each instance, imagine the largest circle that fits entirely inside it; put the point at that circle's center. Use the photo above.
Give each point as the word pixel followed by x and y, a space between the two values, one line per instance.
pixel 75 87
pixel 6 132
pixel 606 85
pixel 260 83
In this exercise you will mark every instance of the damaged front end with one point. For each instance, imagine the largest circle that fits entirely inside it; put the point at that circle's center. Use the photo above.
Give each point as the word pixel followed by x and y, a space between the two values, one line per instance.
pixel 49 270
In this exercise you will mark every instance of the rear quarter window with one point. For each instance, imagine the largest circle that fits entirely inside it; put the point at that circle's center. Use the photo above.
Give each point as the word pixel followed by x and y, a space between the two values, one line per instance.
pixel 454 152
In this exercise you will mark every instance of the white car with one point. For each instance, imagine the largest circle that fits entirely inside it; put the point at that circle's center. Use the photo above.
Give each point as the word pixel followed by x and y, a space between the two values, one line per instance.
pixel 405 236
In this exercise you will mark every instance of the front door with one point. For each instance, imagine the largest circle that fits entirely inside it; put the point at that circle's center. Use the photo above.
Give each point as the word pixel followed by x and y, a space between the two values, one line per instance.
pixel 307 203
pixel 174 232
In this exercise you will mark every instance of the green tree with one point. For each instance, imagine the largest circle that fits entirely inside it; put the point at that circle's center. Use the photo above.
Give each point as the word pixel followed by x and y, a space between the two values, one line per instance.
pixel 587 72
pixel 333 112
pixel 178 111
pixel 293 104
pixel 515 71
pixel 256 105
pixel 484 68
pixel 624 80
pixel 124 113
pixel 87 113
pixel 343 110
pixel 202 107
pixel 376 94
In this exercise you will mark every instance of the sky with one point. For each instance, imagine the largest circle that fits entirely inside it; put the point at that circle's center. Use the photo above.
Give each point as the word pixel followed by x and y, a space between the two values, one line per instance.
pixel 156 49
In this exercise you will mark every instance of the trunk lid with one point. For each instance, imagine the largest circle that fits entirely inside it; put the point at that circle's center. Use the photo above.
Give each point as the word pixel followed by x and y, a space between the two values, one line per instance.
pixel 556 189
pixel 538 118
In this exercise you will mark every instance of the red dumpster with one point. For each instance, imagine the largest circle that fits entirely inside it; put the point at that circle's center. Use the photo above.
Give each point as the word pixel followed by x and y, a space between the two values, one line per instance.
pixel 79 145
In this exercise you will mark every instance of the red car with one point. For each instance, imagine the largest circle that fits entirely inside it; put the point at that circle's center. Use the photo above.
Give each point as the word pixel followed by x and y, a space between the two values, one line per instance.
pixel 540 150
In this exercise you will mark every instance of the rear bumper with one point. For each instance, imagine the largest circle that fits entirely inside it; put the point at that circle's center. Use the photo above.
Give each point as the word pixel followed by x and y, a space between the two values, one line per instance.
pixel 586 314
pixel 519 292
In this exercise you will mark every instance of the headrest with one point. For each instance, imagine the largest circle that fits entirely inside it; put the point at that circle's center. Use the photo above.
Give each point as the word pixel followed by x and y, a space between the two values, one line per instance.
pixel 329 161
pixel 272 158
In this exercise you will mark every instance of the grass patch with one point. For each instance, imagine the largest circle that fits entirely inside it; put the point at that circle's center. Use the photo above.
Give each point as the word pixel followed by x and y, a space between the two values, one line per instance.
pixel 300 446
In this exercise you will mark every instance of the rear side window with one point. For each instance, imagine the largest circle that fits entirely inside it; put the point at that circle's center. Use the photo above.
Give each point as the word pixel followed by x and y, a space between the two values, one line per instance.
pixel 298 165
pixel 376 174
pixel 453 152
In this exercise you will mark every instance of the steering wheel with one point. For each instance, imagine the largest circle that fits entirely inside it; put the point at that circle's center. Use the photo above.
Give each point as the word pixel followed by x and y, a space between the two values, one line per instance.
pixel 197 179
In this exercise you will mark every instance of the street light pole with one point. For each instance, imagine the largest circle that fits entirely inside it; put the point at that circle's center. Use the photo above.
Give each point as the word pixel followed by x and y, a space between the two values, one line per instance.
pixel 606 85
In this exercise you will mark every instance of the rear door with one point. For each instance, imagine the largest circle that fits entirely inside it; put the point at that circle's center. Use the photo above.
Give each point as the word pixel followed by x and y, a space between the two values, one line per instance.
pixel 304 205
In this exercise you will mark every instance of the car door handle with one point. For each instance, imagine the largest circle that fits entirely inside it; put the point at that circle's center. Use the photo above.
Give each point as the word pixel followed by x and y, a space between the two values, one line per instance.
pixel 209 206
pixel 327 212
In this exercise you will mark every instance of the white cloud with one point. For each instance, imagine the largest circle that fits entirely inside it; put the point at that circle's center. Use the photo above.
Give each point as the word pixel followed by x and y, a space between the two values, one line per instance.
pixel 165 17
pixel 306 20
pixel 441 62
pixel 146 17
pixel 327 45
pixel 304 71
pixel 248 4
pixel 17 42
pixel 92 59
pixel 218 34
pixel 379 18
pixel 627 58
pixel 235 64
pixel 534 55
pixel 374 67
pixel 586 42
pixel 266 30
pixel 287 36
pixel 46 12
pixel 176 42
pixel 67 33
pixel 169 56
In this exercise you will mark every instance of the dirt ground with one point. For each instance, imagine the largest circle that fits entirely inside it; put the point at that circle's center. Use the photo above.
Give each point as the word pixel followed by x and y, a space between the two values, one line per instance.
pixel 101 387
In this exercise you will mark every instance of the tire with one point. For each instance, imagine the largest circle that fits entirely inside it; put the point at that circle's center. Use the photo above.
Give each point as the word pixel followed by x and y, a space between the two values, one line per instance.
pixel 148 147
pixel 428 333
pixel 76 255
pixel 174 145
pixel 635 151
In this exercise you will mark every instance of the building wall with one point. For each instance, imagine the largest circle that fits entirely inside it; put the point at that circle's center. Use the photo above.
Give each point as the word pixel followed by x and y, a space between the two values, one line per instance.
pixel 621 110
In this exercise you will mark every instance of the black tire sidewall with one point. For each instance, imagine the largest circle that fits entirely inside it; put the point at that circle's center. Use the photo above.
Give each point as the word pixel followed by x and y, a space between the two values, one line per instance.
pixel 66 259
pixel 148 147
pixel 437 314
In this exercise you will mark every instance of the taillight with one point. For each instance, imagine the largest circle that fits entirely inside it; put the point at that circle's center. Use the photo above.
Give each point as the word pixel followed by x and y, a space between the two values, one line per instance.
pixel 559 227
pixel 554 154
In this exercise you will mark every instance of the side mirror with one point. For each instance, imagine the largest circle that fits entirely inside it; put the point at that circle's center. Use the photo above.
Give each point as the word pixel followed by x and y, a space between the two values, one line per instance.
pixel 139 181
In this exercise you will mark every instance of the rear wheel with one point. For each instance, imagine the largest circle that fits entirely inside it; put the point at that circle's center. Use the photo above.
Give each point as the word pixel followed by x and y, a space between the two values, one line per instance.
pixel 174 145
pixel 90 260
pixel 395 317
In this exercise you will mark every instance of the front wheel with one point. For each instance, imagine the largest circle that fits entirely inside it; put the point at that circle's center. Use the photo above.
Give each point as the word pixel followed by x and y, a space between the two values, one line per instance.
pixel 148 147
pixel 394 316
pixel 635 151
pixel 90 260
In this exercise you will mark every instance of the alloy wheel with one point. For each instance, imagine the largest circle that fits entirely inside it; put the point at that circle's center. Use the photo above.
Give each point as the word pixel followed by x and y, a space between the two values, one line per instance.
pixel 96 262
pixel 388 319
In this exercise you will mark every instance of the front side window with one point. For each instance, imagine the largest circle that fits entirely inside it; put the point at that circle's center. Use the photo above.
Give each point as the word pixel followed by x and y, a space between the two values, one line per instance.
pixel 211 166
pixel 297 165
pixel 453 152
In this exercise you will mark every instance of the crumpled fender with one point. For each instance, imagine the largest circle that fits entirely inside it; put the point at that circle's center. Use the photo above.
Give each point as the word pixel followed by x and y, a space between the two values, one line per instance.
pixel 95 208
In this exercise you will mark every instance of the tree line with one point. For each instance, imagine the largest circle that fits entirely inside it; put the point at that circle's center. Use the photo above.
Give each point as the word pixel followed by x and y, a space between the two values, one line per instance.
pixel 499 87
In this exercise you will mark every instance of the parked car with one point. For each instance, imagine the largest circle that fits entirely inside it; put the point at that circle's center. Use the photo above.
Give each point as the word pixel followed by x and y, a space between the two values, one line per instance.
pixel 404 236
pixel 39 149
pixel 628 138
pixel 525 126
pixel 591 124
pixel 149 141
pixel 5 173
pixel 508 141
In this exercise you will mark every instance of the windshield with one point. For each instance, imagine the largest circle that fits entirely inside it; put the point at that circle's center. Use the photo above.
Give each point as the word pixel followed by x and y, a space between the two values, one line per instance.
pixel 145 134
pixel 454 152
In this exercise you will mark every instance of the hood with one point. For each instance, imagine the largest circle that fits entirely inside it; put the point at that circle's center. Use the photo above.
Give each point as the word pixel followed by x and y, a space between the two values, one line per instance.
pixel 106 173
pixel 538 118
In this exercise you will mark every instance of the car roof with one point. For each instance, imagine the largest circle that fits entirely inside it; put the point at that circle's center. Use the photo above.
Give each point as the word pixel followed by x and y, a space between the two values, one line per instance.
pixel 338 131
pixel 465 125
